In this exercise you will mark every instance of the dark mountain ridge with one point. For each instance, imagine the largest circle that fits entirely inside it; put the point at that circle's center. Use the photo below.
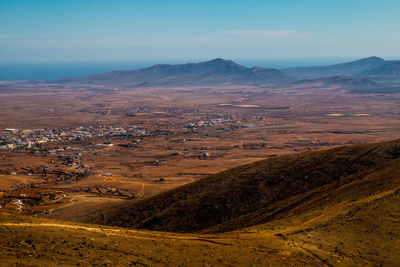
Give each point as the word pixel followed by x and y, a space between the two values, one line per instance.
pixel 252 194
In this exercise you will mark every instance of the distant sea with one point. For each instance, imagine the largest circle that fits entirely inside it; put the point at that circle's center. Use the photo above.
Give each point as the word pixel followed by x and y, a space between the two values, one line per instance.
pixel 55 70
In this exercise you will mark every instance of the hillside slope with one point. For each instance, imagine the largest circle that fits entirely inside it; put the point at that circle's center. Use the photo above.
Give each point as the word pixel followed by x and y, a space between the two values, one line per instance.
pixel 336 207
pixel 29 241
pixel 388 72
pixel 344 82
pixel 343 69
pixel 259 191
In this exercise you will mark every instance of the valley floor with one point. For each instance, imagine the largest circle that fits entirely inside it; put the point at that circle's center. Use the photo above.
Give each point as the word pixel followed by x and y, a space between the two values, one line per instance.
pixel 182 135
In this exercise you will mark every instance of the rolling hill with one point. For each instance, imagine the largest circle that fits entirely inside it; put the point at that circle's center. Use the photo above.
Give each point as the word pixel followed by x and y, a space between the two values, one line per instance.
pixel 334 207
pixel 27 241
pixel 372 68
pixel 388 72
pixel 214 72
pixel 343 69
pixel 257 193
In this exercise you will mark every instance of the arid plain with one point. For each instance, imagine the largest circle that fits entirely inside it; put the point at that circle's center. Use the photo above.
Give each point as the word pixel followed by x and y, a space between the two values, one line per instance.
pixel 266 169
pixel 178 135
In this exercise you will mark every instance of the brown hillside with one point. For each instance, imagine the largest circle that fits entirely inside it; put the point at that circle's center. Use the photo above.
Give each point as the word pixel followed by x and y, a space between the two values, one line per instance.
pixel 255 193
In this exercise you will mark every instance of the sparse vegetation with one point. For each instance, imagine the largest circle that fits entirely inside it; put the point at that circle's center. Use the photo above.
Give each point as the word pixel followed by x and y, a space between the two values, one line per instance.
pixel 171 159
pixel 342 190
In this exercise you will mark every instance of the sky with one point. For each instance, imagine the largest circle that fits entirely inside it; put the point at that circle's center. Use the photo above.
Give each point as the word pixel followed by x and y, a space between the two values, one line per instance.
pixel 117 30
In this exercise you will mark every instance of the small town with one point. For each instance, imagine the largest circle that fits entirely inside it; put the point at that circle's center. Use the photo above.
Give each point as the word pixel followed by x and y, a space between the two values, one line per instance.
pixel 24 139
pixel 35 140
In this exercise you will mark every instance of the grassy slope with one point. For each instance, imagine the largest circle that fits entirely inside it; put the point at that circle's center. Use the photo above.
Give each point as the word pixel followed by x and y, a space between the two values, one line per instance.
pixel 354 223
pixel 347 226
pixel 43 242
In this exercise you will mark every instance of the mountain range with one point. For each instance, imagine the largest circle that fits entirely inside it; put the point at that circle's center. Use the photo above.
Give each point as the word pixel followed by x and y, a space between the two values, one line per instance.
pixel 214 72
pixel 366 73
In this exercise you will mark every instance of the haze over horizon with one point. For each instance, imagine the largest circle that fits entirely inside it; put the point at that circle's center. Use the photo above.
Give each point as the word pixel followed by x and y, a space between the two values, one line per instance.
pixel 177 31
pixel 13 71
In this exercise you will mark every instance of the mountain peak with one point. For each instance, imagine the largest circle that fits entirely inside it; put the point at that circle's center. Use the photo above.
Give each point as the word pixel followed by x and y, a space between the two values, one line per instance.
pixel 220 61
pixel 372 59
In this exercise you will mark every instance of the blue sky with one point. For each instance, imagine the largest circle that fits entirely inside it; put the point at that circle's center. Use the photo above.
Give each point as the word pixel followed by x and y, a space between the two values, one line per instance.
pixel 97 30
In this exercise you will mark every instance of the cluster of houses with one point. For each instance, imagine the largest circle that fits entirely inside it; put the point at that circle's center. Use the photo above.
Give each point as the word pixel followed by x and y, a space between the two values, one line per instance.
pixel 12 139
pixel 26 139
pixel 211 120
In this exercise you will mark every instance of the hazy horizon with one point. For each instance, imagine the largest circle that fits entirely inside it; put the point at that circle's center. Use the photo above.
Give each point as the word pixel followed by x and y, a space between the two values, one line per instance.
pixel 165 30
pixel 10 71
pixel 54 39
